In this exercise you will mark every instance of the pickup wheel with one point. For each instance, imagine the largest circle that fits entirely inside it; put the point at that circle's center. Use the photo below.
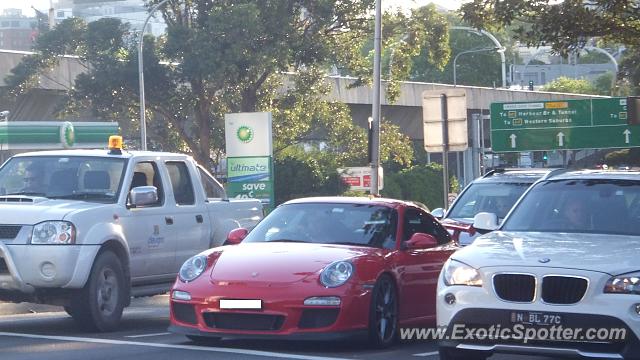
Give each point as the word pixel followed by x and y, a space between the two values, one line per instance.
pixel 99 305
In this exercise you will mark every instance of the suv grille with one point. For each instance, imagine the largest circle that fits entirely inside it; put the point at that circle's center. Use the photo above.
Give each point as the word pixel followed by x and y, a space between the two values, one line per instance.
pixel 231 321
pixel 9 231
pixel 515 287
pixel 563 290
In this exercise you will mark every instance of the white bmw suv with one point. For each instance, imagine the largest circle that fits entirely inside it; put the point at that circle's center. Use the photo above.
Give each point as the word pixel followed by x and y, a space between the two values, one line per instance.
pixel 560 277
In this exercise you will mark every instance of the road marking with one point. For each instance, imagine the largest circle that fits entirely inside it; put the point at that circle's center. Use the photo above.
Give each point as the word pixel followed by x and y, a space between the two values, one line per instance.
pixel 169 346
pixel 148 335
pixel 433 353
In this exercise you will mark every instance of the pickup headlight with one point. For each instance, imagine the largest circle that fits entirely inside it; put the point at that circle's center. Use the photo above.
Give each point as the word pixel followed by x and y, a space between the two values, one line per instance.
pixel 457 273
pixel 192 268
pixel 53 232
pixel 336 274
pixel 624 284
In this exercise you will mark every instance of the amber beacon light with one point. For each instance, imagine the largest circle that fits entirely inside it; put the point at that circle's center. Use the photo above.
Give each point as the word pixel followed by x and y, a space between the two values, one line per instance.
pixel 115 144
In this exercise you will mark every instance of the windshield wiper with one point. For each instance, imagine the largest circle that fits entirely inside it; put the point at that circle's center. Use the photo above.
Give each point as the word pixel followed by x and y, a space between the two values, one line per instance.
pixel 26 193
pixel 287 240
pixel 83 196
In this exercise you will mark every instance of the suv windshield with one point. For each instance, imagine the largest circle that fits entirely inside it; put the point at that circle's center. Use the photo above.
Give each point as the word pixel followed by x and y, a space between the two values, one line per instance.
pixel 497 198
pixel 347 224
pixel 63 177
pixel 603 206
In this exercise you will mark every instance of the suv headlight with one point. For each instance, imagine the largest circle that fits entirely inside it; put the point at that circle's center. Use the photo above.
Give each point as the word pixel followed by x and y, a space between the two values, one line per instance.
pixel 457 273
pixel 192 268
pixel 624 284
pixel 336 274
pixel 53 232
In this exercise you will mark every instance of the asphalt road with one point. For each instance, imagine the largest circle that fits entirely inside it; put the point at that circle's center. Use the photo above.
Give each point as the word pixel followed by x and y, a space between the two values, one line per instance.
pixel 32 332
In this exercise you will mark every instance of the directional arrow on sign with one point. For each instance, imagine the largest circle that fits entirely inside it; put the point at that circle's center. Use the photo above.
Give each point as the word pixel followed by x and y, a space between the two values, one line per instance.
pixel 560 139
pixel 626 136
pixel 513 140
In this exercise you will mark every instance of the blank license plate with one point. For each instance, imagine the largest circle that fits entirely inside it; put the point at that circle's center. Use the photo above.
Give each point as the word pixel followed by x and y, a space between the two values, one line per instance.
pixel 535 318
pixel 240 304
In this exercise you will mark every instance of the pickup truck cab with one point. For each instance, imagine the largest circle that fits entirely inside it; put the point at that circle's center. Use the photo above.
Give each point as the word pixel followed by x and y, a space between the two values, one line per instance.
pixel 100 226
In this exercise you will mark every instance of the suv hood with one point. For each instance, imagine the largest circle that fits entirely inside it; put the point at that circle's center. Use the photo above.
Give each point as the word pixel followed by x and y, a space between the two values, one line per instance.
pixel 611 254
pixel 25 210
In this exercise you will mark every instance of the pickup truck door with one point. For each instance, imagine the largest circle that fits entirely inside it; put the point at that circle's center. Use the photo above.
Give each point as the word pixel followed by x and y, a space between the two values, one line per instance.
pixel 147 229
pixel 188 211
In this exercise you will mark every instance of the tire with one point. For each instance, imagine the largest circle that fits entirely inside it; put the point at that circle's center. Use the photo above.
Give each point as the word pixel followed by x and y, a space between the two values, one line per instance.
pixel 98 306
pixel 203 340
pixel 455 354
pixel 383 313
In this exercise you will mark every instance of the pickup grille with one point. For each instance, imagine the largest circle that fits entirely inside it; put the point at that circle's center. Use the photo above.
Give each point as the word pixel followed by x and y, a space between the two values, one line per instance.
pixel 9 231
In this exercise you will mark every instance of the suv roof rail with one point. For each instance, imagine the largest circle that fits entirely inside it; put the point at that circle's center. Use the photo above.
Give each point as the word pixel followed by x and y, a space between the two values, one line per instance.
pixel 555 172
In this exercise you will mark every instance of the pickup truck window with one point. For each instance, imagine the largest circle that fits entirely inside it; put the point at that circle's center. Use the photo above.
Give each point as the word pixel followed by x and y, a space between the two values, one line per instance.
pixel 211 186
pixel 146 173
pixel 181 183
pixel 95 179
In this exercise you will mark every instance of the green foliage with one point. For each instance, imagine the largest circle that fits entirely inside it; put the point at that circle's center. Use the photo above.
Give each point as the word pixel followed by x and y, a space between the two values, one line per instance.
pixel 630 68
pixel 422 183
pixel 629 157
pixel 454 185
pixel 298 175
pixel 569 85
pixel 565 25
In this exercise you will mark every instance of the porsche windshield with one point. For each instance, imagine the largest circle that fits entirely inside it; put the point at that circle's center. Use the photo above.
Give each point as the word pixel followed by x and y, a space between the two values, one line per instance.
pixel 346 224
pixel 602 206
pixel 63 177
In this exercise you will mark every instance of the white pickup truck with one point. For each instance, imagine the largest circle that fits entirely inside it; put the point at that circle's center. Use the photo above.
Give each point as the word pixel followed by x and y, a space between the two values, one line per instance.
pixel 89 229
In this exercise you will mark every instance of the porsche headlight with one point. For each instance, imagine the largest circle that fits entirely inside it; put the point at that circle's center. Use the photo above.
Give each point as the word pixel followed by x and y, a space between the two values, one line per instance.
pixel 457 273
pixel 53 232
pixel 336 274
pixel 192 268
pixel 624 284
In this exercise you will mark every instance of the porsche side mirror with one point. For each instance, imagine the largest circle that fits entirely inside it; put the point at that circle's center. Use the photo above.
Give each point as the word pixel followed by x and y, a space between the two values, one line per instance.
pixel 438 213
pixel 236 236
pixel 421 241
pixel 485 221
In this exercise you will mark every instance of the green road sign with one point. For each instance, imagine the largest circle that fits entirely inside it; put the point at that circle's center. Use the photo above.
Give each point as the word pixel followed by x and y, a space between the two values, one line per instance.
pixel 566 124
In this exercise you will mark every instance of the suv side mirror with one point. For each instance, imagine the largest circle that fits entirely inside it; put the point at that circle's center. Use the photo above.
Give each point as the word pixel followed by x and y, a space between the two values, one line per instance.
pixel 438 213
pixel 421 241
pixel 143 195
pixel 485 221
pixel 236 236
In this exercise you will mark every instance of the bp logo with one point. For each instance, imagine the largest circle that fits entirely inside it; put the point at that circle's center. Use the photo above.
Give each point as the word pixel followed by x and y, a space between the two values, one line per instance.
pixel 245 134
pixel 67 135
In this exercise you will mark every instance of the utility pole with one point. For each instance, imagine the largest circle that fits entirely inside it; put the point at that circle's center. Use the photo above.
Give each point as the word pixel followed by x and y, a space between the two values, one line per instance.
pixel 375 163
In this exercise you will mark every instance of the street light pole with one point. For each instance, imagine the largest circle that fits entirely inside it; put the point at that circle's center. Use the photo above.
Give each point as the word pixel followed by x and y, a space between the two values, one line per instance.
pixel 455 59
pixel 496 42
pixel 143 121
pixel 375 163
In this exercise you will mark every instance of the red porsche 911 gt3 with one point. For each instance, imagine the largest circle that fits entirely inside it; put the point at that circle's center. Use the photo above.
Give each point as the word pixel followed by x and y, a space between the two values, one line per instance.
pixel 317 268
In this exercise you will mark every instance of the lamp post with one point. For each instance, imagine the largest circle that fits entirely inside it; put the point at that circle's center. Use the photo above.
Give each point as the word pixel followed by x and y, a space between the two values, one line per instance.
pixel 375 158
pixel 503 60
pixel 143 123
pixel 455 59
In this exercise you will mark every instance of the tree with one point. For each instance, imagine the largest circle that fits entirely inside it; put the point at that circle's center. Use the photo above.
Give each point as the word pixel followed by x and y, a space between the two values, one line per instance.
pixel 230 56
pixel 565 25
pixel 569 85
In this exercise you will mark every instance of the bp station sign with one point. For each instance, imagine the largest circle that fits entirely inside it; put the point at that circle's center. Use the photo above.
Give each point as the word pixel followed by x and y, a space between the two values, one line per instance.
pixel 249 157
pixel 563 125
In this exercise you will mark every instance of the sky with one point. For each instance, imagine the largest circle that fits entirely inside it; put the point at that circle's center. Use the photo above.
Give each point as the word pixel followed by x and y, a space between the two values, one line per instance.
pixel 42 5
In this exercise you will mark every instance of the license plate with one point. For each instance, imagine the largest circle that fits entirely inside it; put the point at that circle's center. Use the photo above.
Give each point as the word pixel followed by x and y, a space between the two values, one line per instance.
pixel 240 304
pixel 535 318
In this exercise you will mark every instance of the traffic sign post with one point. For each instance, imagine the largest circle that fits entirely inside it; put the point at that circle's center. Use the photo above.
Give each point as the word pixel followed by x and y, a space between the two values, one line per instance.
pixel 562 125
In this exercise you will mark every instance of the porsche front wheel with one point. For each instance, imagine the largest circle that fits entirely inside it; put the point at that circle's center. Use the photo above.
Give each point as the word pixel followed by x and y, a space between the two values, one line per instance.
pixel 383 314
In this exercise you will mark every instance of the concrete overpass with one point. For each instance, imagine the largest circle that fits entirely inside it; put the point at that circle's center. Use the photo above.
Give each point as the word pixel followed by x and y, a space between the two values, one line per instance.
pixel 406 112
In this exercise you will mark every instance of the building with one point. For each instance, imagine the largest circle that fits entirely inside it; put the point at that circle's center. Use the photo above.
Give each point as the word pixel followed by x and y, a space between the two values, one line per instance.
pixel 17 32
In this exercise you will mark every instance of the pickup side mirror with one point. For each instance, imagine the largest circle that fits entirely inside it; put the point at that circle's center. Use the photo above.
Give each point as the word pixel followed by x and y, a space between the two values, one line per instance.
pixel 421 241
pixel 485 221
pixel 438 213
pixel 143 195
pixel 236 236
